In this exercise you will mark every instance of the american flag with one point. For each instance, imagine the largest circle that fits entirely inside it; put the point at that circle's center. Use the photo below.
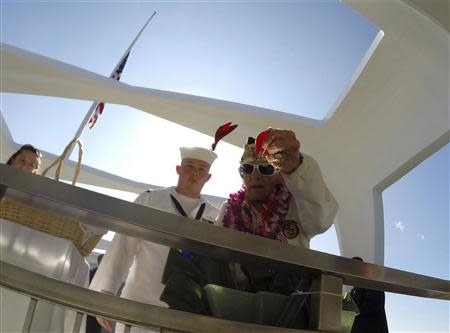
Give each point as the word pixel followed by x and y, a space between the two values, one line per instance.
pixel 100 106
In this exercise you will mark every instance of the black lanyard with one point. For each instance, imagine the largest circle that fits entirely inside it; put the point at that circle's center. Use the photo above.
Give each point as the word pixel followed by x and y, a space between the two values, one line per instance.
pixel 183 213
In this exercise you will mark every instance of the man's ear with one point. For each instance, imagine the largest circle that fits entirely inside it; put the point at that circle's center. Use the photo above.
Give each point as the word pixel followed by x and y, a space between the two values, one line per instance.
pixel 178 168
pixel 208 177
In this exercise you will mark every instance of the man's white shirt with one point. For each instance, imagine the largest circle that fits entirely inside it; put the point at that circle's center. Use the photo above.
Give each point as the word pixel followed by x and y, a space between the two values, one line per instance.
pixel 142 261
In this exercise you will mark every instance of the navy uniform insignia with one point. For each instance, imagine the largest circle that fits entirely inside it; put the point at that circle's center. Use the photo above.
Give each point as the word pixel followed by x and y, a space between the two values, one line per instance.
pixel 290 229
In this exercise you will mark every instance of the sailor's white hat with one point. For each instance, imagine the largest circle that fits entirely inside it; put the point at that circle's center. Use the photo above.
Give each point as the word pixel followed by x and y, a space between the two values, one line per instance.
pixel 198 153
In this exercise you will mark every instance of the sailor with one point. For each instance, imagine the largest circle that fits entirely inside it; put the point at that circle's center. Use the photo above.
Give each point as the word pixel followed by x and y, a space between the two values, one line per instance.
pixel 145 261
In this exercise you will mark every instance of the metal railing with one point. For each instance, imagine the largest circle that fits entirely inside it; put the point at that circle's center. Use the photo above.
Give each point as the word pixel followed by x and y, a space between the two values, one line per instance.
pixel 82 300
pixel 328 271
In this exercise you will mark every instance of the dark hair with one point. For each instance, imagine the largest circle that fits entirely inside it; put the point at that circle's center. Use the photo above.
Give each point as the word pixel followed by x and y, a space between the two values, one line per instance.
pixel 28 148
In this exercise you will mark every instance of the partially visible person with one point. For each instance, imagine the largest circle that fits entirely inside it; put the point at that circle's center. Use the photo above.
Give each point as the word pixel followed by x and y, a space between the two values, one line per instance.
pixel 92 326
pixel 142 262
pixel 57 258
pixel 372 315
pixel 94 270
pixel 27 158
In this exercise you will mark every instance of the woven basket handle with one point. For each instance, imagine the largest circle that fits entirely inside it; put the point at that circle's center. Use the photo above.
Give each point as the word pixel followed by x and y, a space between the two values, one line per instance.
pixel 61 158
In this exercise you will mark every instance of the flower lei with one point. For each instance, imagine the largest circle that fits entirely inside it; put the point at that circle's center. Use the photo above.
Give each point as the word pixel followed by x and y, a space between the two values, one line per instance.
pixel 265 221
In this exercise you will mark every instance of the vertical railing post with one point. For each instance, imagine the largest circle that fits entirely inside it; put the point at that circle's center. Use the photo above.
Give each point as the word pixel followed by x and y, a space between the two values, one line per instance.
pixel 77 323
pixel 326 303
pixel 29 316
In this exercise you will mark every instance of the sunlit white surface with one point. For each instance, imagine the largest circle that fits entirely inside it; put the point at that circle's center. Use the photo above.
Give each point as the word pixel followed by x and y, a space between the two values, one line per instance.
pixel 269 54
pixel 300 66
pixel 108 236
pixel 98 251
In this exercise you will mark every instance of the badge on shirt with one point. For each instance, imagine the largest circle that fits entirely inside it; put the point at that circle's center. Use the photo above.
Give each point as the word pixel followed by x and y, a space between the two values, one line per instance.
pixel 290 229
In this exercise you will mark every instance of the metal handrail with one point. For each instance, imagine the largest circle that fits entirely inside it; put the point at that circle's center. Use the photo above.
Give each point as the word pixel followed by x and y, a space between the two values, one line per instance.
pixel 121 309
pixel 153 225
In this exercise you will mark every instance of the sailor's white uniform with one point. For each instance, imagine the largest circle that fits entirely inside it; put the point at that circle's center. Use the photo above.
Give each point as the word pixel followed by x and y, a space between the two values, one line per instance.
pixel 143 261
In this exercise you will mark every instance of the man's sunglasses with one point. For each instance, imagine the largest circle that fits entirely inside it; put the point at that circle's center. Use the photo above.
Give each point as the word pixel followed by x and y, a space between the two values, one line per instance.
pixel 264 169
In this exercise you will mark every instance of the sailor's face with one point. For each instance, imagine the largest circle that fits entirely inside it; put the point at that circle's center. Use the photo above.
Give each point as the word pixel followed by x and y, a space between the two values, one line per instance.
pixel 259 187
pixel 193 173
pixel 26 161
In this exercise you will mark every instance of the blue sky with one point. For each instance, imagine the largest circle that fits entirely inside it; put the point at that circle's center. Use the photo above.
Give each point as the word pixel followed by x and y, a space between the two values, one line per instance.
pixel 417 238
pixel 291 56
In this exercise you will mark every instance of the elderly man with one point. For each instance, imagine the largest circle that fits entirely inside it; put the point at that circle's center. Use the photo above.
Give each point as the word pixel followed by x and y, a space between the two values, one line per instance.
pixel 144 261
pixel 285 198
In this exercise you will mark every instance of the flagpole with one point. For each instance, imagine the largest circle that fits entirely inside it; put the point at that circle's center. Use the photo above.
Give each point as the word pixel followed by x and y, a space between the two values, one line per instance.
pixel 94 104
